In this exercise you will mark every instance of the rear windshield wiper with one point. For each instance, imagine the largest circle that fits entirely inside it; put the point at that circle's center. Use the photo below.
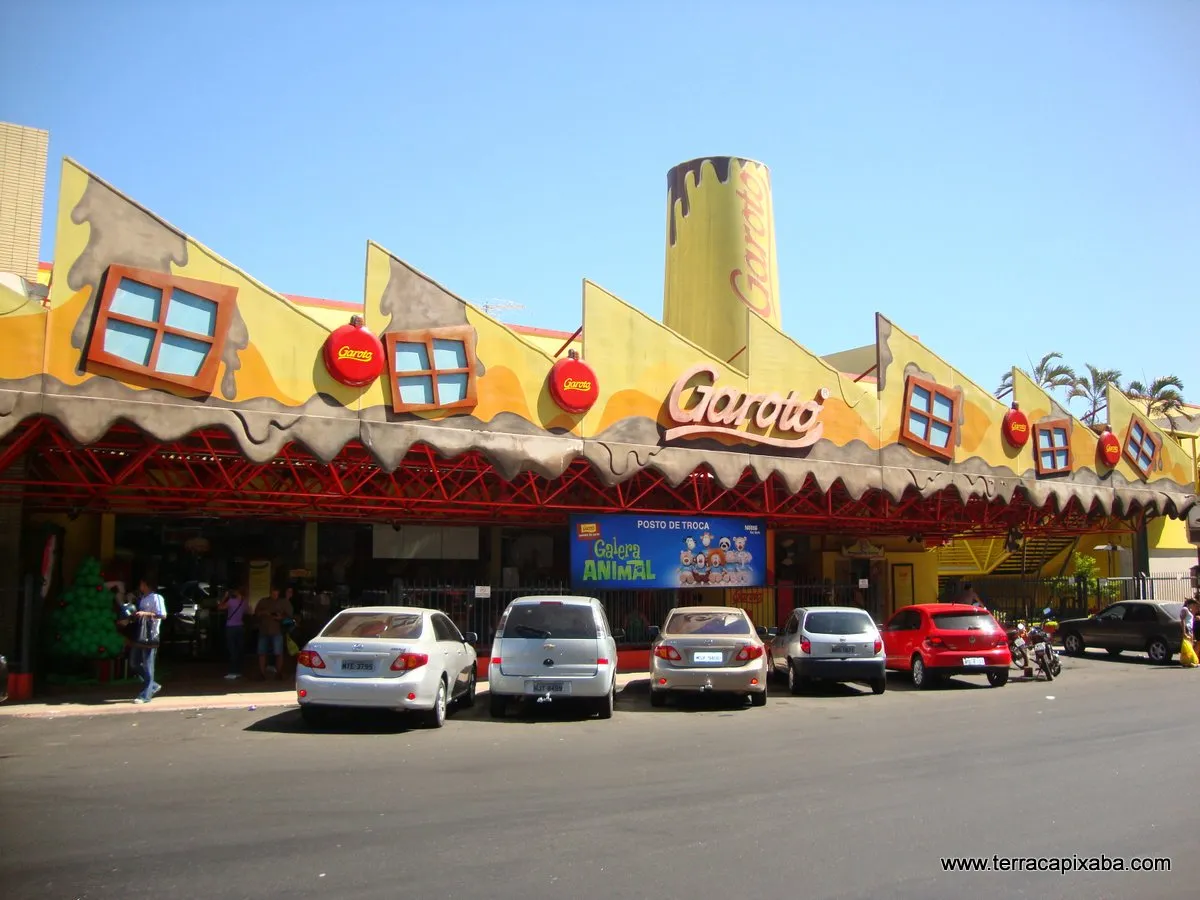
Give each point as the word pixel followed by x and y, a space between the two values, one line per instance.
pixel 530 631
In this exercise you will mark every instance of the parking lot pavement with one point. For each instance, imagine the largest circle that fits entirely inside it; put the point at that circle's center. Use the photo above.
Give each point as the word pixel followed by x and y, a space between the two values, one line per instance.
pixel 862 795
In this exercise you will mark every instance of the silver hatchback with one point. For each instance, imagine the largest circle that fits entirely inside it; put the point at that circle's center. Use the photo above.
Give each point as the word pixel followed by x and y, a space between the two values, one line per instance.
pixel 830 643
pixel 554 649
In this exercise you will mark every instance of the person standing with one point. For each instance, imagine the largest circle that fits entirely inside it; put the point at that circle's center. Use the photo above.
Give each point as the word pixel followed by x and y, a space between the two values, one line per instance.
pixel 234 607
pixel 270 613
pixel 1187 622
pixel 151 610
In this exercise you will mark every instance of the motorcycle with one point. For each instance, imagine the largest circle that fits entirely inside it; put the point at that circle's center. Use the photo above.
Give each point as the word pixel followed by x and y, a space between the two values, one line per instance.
pixel 1017 646
pixel 1044 654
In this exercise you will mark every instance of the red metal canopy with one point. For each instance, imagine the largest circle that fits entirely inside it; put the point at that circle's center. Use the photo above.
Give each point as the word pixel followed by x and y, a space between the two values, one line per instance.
pixel 205 474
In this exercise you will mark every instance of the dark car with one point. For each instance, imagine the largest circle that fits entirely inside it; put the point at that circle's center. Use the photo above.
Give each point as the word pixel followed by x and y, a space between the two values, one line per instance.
pixel 1146 626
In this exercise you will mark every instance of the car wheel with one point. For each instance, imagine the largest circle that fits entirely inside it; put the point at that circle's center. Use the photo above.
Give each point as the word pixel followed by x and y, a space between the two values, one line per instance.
pixel 998 679
pixel 467 700
pixel 1159 651
pixel 1114 651
pixel 1072 644
pixel 922 680
pixel 658 698
pixel 796 682
pixel 759 698
pixel 605 706
pixel 314 716
pixel 879 685
pixel 436 717
pixel 497 705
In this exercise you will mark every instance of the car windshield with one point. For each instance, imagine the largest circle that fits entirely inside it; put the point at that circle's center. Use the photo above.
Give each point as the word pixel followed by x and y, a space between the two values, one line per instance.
pixel 964 621
pixel 707 623
pixel 837 623
pixel 550 619
pixel 375 625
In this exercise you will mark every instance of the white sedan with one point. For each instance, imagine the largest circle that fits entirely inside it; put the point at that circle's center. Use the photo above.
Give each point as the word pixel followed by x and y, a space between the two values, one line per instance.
pixel 387 657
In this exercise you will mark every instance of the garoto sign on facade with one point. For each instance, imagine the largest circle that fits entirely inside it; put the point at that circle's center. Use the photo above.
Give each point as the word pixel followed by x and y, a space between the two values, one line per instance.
pixel 618 551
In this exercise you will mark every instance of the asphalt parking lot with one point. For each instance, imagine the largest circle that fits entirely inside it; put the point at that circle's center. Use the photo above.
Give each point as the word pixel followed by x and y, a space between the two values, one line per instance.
pixel 837 794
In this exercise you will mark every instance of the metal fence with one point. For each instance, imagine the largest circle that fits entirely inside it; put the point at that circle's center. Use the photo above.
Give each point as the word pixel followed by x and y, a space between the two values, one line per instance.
pixel 1011 598
pixel 632 611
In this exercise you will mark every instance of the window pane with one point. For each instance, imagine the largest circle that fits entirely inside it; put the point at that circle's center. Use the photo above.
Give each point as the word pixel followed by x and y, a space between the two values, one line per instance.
pixel 943 408
pixel 188 312
pixel 449 355
pixel 940 436
pixel 181 356
pixel 136 300
pixel 1148 445
pixel 451 388
pixel 1043 438
pixel 1136 433
pixel 1061 459
pixel 920 399
pixel 1047 459
pixel 132 343
pixel 918 425
pixel 416 389
pixel 1060 437
pixel 412 358
pixel 1144 459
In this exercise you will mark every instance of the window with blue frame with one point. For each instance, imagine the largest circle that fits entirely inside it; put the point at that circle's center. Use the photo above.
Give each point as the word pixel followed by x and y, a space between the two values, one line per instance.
pixel 1052 446
pixel 432 369
pixel 1142 446
pixel 930 417
pixel 163 327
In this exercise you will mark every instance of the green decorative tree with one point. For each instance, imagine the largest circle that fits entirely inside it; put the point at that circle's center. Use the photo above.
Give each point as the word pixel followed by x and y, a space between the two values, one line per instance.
pixel 83 625
pixel 1050 374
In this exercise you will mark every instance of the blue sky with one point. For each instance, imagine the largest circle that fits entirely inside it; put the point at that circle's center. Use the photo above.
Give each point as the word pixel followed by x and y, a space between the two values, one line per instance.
pixel 1001 179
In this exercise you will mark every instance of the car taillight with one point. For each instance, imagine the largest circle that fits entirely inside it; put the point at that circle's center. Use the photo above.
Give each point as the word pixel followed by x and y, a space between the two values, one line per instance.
pixel 1000 640
pixel 310 659
pixel 878 645
pixel 666 651
pixel 602 661
pixel 806 646
pixel 935 642
pixel 749 652
pixel 496 660
pixel 406 662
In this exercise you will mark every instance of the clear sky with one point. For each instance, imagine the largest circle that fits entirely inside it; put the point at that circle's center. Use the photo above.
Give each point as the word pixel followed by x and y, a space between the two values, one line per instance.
pixel 1000 178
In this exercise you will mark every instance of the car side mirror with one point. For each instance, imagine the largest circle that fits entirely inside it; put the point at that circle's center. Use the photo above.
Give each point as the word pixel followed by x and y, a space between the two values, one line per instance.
pixel 618 634
pixel 470 638
pixel 772 632
pixel 762 632
pixel 653 632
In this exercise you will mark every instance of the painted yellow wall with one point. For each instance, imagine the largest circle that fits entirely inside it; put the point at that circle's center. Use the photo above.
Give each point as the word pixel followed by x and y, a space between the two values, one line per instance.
pixel 1168 534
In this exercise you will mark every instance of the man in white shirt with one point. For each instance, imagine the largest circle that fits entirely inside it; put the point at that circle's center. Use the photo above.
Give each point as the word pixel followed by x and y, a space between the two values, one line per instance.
pixel 151 610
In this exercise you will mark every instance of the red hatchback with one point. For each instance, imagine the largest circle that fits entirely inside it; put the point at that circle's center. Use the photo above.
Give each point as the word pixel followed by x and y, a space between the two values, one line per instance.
pixel 936 640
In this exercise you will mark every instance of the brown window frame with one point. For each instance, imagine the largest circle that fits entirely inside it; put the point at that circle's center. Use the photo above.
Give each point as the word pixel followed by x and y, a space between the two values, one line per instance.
pixel 1154 439
pixel 426 336
pixel 951 394
pixel 1051 425
pixel 224 296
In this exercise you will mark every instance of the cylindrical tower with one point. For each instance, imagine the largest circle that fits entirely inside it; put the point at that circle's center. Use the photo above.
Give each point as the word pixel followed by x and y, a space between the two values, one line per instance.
pixel 721 265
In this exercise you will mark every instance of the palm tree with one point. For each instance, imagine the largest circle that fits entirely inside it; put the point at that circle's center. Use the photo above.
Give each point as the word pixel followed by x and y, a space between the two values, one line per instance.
pixel 1093 389
pixel 1050 373
pixel 1163 397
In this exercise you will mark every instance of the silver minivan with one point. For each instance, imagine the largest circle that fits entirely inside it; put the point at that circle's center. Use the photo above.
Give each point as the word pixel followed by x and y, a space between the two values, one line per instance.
pixel 551 650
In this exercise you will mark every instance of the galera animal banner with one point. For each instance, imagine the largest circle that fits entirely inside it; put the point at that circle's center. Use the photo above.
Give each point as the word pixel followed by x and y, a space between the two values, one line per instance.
pixel 630 551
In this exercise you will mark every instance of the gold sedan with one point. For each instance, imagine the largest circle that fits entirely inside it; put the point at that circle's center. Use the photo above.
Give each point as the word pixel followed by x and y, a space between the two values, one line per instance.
pixel 708 649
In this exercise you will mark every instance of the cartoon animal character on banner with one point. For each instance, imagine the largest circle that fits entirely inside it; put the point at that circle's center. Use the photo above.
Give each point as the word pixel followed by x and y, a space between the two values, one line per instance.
pixel 686 559
pixel 717 573
pixel 706 539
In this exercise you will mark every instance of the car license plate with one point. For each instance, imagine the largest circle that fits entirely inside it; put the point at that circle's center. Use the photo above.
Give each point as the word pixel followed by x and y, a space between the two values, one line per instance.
pixel 546 687
pixel 974 661
pixel 707 656
pixel 1040 648
pixel 842 648
pixel 353 665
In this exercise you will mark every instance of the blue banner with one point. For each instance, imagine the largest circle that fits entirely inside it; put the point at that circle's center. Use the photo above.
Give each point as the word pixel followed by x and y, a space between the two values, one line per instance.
pixel 630 551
